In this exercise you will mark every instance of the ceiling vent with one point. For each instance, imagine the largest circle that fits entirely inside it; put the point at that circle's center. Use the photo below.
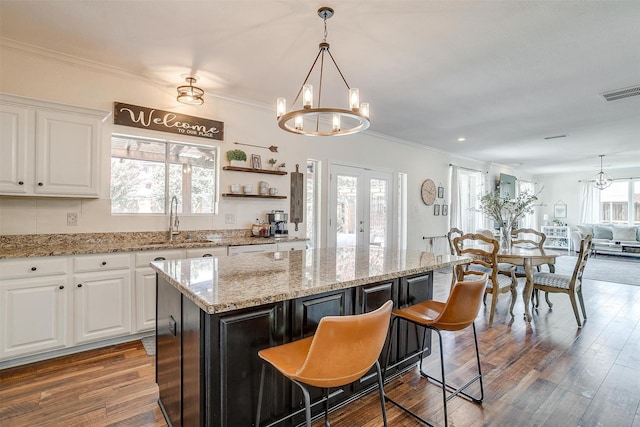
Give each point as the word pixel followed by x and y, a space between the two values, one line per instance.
pixel 621 93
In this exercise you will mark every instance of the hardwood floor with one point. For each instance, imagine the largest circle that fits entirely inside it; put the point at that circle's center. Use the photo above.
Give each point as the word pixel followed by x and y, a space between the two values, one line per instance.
pixel 547 373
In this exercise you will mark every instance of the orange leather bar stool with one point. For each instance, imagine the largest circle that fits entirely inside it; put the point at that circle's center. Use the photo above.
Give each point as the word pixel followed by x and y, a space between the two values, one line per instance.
pixel 341 351
pixel 457 313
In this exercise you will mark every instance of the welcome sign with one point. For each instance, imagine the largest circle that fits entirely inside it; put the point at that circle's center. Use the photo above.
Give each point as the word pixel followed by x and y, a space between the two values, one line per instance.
pixel 166 121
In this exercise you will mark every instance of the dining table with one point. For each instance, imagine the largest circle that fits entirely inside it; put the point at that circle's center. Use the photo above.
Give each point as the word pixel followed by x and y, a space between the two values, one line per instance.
pixel 528 257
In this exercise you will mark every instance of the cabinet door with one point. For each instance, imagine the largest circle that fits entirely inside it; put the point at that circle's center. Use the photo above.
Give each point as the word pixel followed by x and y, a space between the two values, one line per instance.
pixel 410 337
pixel 102 304
pixel 242 335
pixel 33 315
pixel 67 152
pixel 145 299
pixel 370 298
pixel 308 312
pixel 16 147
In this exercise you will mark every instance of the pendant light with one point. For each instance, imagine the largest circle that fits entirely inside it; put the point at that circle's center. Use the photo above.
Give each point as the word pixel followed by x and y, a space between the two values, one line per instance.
pixel 318 120
pixel 602 180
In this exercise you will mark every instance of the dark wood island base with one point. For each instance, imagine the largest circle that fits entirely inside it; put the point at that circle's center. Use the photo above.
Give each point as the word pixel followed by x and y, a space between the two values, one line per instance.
pixel 208 371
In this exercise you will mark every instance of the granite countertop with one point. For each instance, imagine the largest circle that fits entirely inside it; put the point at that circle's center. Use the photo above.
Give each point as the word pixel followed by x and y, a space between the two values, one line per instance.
pixel 220 284
pixel 41 245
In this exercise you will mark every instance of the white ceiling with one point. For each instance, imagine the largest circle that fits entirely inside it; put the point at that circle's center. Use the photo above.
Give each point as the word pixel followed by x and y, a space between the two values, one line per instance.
pixel 503 74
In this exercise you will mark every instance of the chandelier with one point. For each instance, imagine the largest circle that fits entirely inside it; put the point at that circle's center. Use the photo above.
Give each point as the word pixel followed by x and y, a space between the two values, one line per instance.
pixel 601 180
pixel 317 120
pixel 190 94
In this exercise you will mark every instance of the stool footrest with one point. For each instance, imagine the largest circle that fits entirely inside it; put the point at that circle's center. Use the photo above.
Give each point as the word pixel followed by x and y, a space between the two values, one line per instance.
pixel 455 391
pixel 413 414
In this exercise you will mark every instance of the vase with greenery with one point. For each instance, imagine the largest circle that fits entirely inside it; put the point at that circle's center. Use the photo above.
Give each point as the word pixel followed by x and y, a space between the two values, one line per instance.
pixel 236 155
pixel 506 211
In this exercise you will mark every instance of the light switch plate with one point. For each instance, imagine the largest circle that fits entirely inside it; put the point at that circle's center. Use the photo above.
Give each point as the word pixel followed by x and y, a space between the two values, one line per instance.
pixel 229 218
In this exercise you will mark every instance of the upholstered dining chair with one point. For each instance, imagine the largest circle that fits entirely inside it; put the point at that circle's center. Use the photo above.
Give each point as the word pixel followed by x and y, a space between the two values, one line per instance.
pixel 484 253
pixel 566 284
pixel 341 351
pixel 456 314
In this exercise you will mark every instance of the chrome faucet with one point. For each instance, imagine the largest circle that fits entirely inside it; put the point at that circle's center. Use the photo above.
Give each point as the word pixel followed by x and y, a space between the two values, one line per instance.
pixel 174 222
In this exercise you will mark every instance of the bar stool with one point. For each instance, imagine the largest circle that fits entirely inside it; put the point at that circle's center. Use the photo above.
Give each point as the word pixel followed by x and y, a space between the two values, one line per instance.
pixel 341 351
pixel 457 313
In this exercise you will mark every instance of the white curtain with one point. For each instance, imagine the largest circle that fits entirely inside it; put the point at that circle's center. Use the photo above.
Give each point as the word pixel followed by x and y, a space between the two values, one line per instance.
pixel 590 210
pixel 528 220
pixel 455 211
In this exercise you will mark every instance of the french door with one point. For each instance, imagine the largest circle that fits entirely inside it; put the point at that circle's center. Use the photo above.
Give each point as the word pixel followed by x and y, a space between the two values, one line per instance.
pixel 360 207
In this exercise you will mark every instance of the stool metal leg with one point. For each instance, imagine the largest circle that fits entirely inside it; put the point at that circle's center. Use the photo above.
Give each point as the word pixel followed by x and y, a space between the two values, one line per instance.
pixel 381 391
pixel 307 402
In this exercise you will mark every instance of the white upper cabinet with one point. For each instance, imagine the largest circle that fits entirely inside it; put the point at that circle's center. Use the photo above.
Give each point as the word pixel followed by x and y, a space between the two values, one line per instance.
pixel 48 149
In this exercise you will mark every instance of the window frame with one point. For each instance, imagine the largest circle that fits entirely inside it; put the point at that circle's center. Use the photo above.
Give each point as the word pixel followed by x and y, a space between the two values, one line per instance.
pixel 167 166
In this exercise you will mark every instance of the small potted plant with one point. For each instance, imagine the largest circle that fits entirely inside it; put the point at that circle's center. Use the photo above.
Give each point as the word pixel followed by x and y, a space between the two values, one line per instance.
pixel 282 167
pixel 236 156
pixel 272 163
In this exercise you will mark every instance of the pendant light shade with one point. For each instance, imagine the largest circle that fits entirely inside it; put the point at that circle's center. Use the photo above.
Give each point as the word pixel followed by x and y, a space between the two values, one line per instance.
pixel 191 95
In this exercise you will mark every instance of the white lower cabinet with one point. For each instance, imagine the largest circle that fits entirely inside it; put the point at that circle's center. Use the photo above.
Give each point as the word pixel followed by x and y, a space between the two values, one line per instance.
pixel 102 303
pixel 33 315
pixel 292 246
pixel 145 286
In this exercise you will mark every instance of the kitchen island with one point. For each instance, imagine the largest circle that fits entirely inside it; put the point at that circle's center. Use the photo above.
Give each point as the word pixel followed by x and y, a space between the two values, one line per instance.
pixel 215 314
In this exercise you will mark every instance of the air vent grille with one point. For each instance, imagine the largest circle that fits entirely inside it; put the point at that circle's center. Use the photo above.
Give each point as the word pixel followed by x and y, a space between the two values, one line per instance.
pixel 621 93
pixel 555 136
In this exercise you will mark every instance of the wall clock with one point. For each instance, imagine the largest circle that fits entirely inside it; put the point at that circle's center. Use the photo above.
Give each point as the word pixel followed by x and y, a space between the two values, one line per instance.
pixel 428 192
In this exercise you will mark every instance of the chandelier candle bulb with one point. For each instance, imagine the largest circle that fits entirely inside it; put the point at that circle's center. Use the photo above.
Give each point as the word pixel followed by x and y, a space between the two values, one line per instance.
pixel 298 122
pixel 354 99
pixel 364 109
pixel 336 123
pixel 281 107
pixel 307 96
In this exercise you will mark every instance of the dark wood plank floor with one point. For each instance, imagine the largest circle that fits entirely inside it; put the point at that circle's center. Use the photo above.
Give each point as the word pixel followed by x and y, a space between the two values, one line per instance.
pixel 547 373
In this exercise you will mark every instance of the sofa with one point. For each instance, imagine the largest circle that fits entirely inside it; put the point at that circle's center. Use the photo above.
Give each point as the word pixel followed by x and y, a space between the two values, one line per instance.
pixel 609 239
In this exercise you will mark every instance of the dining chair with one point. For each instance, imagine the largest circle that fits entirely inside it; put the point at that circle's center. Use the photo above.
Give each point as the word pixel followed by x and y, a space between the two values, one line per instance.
pixel 566 284
pixel 453 233
pixel 484 259
pixel 529 238
pixel 456 314
pixel 342 350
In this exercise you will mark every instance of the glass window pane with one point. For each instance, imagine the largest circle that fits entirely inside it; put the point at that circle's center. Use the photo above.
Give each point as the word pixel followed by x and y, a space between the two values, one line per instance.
pixel 192 177
pixel 614 203
pixel 137 176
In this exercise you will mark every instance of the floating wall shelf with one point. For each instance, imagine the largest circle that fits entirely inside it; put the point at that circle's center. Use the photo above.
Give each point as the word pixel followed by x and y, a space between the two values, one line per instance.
pixel 267 171
pixel 255 196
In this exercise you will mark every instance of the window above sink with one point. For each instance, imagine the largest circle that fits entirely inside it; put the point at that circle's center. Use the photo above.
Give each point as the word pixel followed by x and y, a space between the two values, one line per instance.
pixel 146 173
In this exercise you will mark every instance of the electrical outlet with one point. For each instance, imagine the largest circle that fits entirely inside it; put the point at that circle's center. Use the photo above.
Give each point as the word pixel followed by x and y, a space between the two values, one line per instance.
pixel 72 219
pixel 229 218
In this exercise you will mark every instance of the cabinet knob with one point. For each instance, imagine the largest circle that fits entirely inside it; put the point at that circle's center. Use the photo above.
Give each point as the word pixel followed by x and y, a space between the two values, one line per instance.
pixel 79 285
pixel 40 184
pixel 61 286
pixel 34 268
pixel 160 258
pixel 104 263
pixel 20 182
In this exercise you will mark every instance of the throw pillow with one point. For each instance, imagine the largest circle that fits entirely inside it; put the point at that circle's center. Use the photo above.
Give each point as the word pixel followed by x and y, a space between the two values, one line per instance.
pixel 602 232
pixel 624 233
pixel 585 230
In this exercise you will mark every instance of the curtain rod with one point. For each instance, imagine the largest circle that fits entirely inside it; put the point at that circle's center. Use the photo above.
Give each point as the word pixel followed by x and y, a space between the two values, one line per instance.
pixel 615 179
pixel 468 169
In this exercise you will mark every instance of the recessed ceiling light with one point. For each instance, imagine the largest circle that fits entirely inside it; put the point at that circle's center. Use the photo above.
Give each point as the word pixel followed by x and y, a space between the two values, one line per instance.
pixel 462 139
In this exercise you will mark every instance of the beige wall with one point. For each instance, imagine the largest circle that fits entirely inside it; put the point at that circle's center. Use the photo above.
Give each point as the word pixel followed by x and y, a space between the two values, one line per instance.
pixel 37 75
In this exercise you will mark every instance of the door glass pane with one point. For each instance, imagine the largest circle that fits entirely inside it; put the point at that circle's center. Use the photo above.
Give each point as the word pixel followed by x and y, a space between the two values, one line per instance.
pixel 377 212
pixel 346 215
